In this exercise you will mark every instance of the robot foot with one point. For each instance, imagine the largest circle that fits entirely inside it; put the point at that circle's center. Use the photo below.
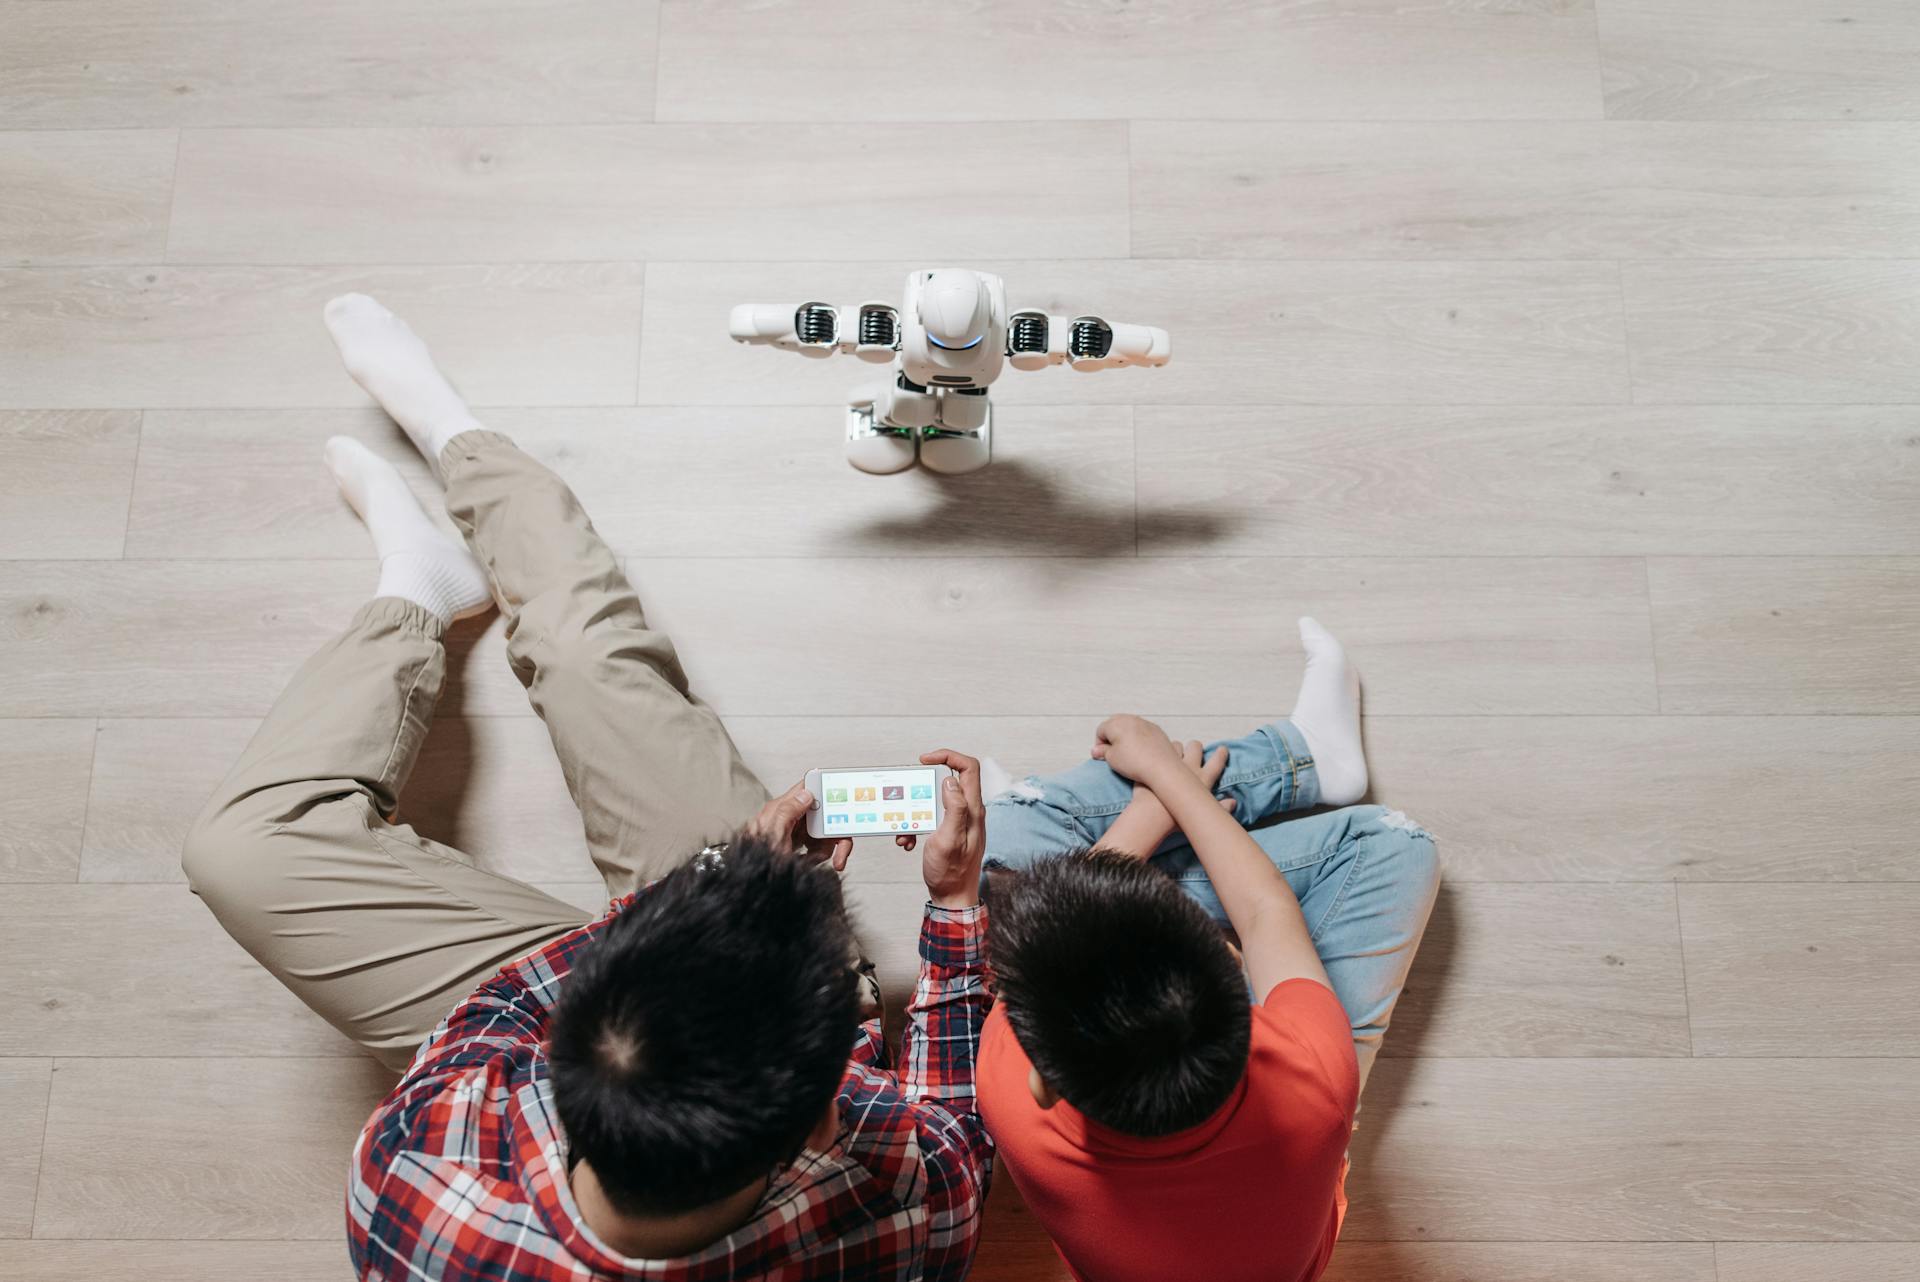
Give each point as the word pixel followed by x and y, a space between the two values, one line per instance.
pixel 954 453
pixel 878 450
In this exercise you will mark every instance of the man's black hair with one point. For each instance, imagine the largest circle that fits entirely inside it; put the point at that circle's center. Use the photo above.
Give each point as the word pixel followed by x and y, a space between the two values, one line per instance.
pixel 700 1037
pixel 1120 989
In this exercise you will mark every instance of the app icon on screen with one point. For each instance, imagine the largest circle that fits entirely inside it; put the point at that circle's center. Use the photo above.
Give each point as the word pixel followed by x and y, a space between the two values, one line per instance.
pixel 863 794
pixel 923 814
pixel 866 817
pixel 896 816
pixel 836 821
pixel 892 792
pixel 923 792
pixel 836 794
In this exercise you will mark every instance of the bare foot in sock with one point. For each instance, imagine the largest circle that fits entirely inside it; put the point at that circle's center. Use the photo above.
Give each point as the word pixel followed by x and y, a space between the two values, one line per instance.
pixel 418 561
pixel 387 358
pixel 1327 715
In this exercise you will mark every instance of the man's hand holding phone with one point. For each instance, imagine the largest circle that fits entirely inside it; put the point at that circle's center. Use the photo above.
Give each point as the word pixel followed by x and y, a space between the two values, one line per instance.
pixel 782 822
pixel 954 852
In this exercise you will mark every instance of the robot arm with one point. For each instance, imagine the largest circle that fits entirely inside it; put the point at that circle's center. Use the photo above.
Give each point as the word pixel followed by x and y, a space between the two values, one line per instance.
pixel 1036 340
pixel 870 330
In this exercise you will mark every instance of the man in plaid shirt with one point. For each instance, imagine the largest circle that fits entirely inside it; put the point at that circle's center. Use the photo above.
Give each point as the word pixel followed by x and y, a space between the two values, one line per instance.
pixel 683 1089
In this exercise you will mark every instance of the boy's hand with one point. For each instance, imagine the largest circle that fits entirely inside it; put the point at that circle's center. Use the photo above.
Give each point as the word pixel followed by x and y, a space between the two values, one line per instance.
pixel 955 850
pixel 782 823
pixel 1136 748
pixel 1145 823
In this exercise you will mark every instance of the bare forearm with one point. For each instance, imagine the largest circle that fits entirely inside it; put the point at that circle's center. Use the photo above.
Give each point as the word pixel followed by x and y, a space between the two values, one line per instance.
pixel 1259 902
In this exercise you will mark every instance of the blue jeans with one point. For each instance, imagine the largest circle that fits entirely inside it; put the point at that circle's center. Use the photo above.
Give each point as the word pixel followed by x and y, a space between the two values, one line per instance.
pixel 1365 876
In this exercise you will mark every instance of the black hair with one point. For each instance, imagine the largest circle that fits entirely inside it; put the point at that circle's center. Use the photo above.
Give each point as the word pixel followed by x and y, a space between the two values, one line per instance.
pixel 1120 989
pixel 700 1036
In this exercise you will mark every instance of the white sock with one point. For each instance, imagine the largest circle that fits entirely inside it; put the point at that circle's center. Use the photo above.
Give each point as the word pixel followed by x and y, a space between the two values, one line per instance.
pixel 387 358
pixel 417 560
pixel 1327 715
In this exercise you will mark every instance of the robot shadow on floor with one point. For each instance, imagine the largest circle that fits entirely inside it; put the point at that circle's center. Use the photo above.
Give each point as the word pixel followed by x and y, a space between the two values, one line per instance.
pixel 1018 507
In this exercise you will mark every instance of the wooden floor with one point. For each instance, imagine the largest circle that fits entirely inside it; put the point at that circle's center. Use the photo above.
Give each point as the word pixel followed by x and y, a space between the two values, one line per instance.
pixel 1562 356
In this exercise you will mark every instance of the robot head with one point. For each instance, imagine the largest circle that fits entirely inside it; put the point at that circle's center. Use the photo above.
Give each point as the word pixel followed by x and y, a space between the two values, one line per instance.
pixel 955 309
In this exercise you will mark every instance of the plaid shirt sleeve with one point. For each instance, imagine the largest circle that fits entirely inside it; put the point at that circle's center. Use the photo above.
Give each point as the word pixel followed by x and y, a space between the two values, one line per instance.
pixel 944 1019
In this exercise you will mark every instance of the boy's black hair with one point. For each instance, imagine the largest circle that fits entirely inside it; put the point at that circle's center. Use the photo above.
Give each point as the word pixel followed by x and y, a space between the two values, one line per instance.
pixel 1120 989
pixel 702 1033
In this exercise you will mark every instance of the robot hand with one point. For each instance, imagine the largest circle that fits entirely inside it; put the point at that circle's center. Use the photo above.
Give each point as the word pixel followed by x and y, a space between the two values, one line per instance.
pixel 1036 340
pixel 868 330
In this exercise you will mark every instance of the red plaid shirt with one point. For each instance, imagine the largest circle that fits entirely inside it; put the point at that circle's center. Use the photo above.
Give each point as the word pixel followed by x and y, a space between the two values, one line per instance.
pixel 462 1172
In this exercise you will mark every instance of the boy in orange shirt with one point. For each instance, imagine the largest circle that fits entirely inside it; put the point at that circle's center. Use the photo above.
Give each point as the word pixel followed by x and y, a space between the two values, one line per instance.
pixel 1157 1124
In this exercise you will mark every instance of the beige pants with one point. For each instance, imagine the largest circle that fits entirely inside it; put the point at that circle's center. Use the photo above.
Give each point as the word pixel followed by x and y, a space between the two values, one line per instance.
pixel 377 928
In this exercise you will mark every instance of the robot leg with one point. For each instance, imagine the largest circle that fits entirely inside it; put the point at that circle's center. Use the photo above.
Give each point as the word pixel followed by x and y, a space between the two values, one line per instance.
pixel 962 439
pixel 883 425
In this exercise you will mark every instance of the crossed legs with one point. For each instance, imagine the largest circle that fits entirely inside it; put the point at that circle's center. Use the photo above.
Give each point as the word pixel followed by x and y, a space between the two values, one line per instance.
pixel 377 928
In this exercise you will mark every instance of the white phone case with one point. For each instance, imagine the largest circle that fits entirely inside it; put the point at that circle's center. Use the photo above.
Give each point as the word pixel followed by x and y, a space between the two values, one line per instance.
pixel 816 817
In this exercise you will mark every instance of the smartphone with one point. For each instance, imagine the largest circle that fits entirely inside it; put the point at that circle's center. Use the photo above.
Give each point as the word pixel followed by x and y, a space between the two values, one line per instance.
pixel 867 801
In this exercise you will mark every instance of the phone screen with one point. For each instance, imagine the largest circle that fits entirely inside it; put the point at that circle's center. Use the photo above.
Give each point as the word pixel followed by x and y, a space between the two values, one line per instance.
pixel 862 802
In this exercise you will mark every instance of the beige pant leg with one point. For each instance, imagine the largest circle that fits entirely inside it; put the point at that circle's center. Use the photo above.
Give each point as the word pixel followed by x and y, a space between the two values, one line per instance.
pixel 653 771
pixel 378 929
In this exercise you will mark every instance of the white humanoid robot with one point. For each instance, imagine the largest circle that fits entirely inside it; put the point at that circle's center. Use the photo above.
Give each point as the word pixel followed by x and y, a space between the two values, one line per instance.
pixel 946 342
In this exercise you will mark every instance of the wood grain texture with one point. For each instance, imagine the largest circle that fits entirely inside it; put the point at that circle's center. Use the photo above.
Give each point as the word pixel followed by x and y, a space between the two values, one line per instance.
pixel 43 808
pixel 1802 970
pixel 1521 1262
pixel 1509 636
pixel 64 480
pixel 203 1148
pixel 1787 635
pixel 713 482
pixel 1795 1261
pixel 164 1261
pixel 554 334
pixel 1796 332
pixel 1616 1150
pixel 1494 480
pixel 1519 970
pixel 81 196
pixel 171 983
pixel 1555 189
pixel 103 63
pixel 1761 59
pixel 23 1118
pixel 1247 332
pixel 1694 798
pixel 594 192
pixel 1108 59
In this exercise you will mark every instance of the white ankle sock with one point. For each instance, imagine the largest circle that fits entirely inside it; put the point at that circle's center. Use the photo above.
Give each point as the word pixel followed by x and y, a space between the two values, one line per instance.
pixel 387 358
pixel 1327 715
pixel 417 560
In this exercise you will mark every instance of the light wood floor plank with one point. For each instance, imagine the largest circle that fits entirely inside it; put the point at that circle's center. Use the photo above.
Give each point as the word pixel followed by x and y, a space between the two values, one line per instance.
pixel 106 63
pixel 170 983
pixel 594 192
pixel 1796 1261
pixel 1370 59
pixel 213 638
pixel 1587 1150
pixel 1244 332
pixel 1517 635
pixel 714 482
pixel 42 809
pixel 1556 189
pixel 65 478
pixel 1514 970
pixel 1760 59
pixel 78 196
pixel 1797 332
pixel 204 1148
pixel 1655 798
pixel 554 334
pixel 162 1261
pixel 1490 481
pixel 23 1118
pixel 1776 635
pixel 1522 1262
pixel 1803 970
